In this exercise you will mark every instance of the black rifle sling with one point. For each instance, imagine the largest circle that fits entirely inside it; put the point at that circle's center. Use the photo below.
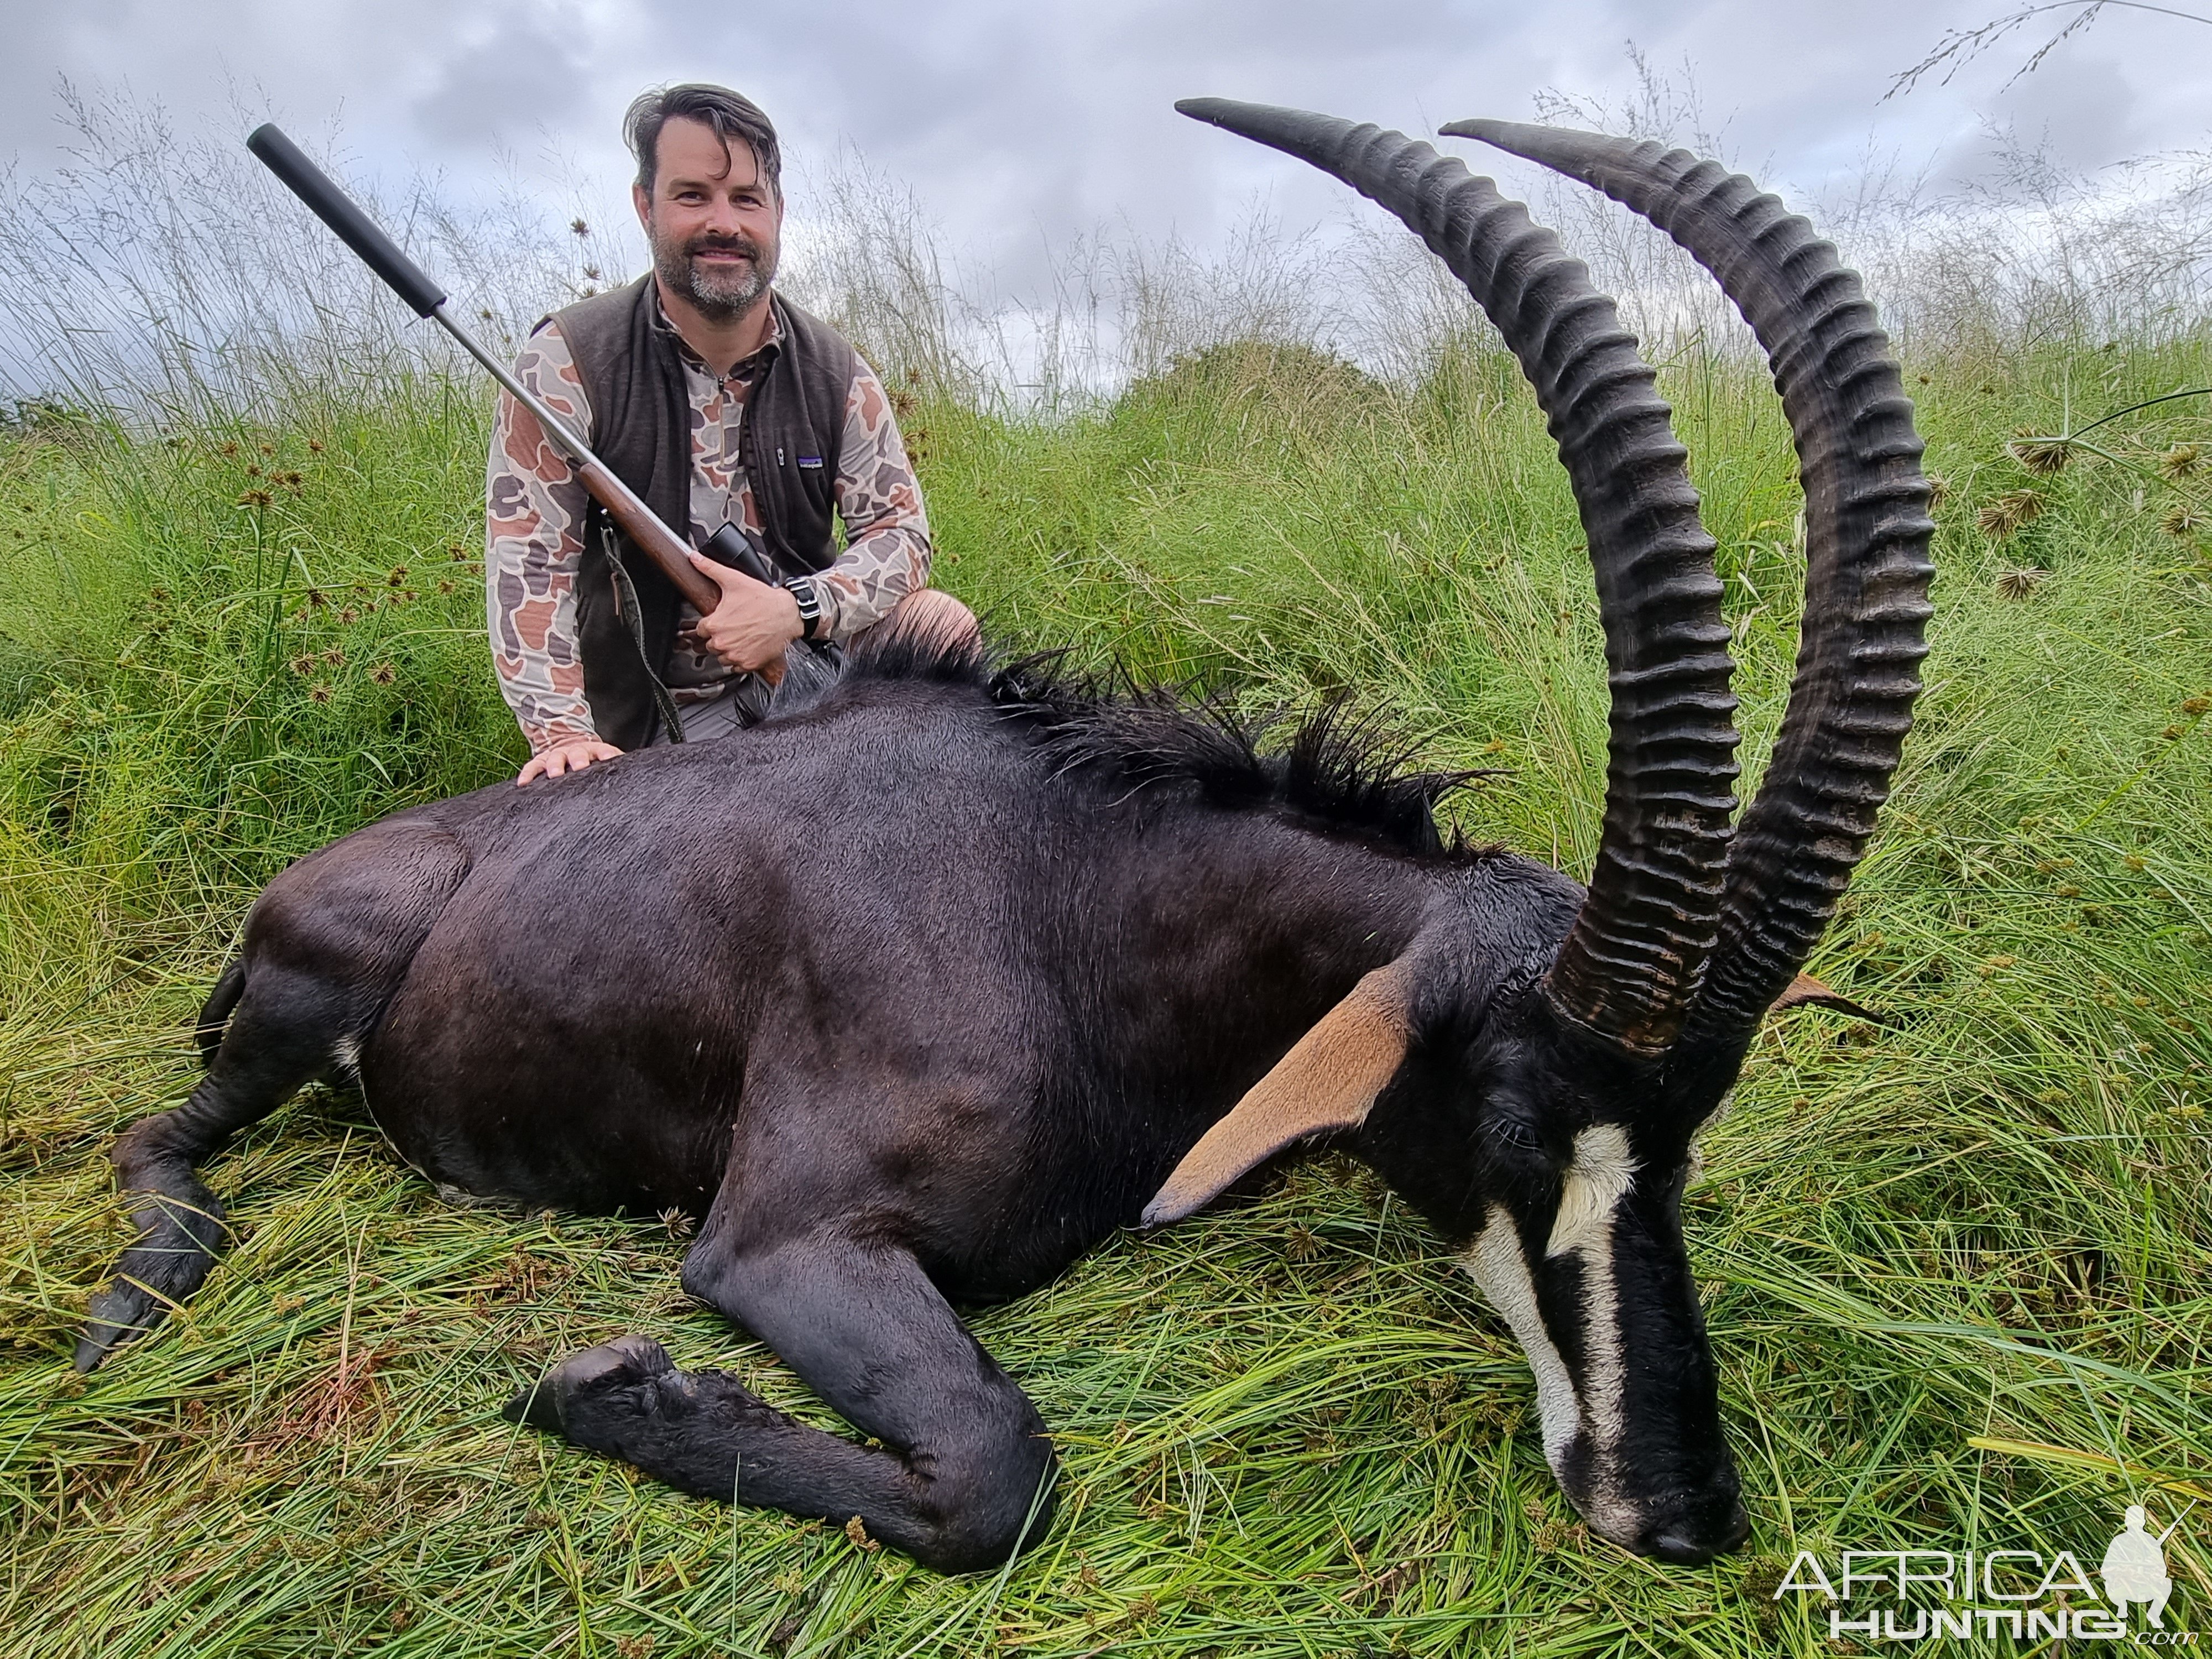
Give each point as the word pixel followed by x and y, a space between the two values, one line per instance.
pixel 633 616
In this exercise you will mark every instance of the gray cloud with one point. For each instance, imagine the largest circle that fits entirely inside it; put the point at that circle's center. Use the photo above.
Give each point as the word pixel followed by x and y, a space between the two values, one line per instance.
pixel 1016 124
pixel 522 70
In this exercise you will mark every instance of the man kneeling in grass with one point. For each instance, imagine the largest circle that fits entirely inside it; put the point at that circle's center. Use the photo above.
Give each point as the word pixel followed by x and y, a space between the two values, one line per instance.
pixel 720 403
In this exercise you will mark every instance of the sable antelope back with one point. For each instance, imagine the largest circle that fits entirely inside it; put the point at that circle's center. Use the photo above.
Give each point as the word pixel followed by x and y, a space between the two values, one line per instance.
pixel 927 984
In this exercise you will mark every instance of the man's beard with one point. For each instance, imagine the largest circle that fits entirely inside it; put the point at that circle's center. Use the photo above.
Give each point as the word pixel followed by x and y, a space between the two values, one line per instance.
pixel 720 292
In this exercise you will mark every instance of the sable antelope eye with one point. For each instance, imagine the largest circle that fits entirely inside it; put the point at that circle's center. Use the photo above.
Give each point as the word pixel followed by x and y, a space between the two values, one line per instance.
pixel 1512 1132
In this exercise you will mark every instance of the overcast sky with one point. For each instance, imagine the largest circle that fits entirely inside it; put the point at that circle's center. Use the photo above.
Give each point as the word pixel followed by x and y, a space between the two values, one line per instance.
pixel 1015 123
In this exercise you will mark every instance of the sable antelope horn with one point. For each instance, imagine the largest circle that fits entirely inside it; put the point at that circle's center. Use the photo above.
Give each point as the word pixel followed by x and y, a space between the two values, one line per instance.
pixel 1639 946
pixel 1866 531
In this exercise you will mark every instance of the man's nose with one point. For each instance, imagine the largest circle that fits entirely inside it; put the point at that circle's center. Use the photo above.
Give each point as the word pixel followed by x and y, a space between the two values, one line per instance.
pixel 722 218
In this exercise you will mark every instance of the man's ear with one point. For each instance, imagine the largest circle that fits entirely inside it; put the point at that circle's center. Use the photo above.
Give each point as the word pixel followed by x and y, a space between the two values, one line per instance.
pixel 1328 1081
pixel 643 204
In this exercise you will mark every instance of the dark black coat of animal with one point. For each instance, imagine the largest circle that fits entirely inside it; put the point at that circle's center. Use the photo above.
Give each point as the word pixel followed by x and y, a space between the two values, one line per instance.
pixel 942 973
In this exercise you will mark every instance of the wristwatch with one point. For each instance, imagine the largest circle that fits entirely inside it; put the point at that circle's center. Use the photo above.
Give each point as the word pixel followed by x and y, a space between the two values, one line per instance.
pixel 808 599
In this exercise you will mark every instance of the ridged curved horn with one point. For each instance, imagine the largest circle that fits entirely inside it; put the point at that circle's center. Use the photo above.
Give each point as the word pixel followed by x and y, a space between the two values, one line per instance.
pixel 1866 531
pixel 1640 943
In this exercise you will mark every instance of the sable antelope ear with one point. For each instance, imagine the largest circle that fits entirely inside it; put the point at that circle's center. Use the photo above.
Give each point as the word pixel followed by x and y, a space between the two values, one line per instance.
pixel 1805 989
pixel 1328 1080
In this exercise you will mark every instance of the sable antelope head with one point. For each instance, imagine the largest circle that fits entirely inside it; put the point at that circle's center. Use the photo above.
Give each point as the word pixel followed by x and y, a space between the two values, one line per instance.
pixel 1534 1082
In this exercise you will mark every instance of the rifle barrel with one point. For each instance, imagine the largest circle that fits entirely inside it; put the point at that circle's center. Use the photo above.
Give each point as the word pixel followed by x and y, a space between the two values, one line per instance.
pixel 670 551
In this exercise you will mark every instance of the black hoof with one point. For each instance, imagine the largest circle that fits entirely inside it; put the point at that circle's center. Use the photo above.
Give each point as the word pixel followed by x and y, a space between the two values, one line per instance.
pixel 114 1316
pixel 621 1363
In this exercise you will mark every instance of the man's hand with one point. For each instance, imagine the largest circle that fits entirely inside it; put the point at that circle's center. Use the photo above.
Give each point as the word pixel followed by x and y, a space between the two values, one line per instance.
pixel 573 756
pixel 749 629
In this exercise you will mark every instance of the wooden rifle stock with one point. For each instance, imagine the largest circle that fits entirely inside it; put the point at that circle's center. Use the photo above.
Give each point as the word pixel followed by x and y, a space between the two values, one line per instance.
pixel 652 537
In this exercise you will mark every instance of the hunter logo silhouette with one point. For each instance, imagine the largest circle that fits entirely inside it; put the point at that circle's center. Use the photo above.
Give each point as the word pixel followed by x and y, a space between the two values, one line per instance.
pixel 2135 1568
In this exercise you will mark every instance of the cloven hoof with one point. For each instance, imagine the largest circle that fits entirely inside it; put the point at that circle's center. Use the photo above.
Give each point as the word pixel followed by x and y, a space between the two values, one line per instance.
pixel 544 1404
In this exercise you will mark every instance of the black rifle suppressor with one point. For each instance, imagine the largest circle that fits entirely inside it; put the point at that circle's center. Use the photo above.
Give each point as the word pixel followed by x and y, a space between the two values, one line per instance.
pixel 408 279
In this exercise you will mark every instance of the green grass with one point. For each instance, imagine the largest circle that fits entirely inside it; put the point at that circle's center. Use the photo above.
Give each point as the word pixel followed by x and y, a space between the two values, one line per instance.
pixel 1291 1429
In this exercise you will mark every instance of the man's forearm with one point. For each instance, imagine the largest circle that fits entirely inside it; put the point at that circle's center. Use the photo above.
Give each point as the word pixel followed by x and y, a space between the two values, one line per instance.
pixel 879 499
pixel 533 548
pixel 870 578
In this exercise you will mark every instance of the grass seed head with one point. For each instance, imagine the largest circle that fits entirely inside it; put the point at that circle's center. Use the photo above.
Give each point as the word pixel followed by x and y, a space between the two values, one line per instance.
pixel 2019 582
pixel 2183 519
pixel 2011 513
pixel 2040 455
pixel 2180 461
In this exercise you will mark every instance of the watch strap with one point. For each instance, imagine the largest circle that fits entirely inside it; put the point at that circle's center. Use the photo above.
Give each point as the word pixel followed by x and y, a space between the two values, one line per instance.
pixel 808 597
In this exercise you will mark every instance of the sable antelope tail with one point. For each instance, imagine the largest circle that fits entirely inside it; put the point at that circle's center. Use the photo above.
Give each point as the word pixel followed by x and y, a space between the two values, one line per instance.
pixel 215 1011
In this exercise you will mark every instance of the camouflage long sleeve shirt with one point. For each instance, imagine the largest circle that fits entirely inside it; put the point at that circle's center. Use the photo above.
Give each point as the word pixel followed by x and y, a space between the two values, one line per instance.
pixel 534 519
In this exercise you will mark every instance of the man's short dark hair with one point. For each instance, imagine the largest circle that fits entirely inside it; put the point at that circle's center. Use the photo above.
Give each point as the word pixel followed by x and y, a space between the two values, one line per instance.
pixel 734 117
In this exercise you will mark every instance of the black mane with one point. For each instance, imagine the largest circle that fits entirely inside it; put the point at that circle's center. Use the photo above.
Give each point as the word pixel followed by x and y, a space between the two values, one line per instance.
pixel 1345 769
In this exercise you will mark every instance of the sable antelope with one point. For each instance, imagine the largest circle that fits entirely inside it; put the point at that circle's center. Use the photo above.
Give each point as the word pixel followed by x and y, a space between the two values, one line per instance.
pixel 932 981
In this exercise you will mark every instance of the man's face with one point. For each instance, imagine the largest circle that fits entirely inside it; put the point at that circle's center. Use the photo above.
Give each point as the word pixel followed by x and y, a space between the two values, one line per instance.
pixel 714 223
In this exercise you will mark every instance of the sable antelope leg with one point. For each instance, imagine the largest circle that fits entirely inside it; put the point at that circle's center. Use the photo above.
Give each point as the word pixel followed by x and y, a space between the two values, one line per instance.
pixel 180 1223
pixel 963 1477
pixel 325 947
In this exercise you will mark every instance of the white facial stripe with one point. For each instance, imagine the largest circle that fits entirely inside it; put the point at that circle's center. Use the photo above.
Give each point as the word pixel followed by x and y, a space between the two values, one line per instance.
pixel 1599 1178
pixel 346 1051
pixel 1495 1262
pixel 1602 1373
pixel 1596 1180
